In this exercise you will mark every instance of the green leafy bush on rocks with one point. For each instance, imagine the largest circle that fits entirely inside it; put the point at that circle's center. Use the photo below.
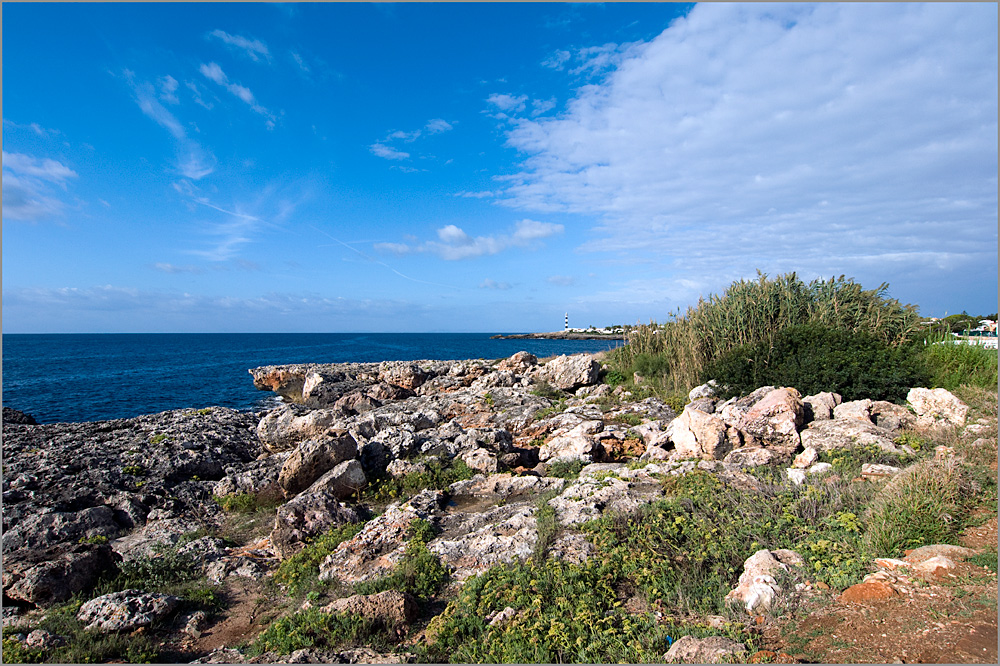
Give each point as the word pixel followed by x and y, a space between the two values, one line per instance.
pixel 300 572
pixel 420 574
pixel 315 628
pixel 813 359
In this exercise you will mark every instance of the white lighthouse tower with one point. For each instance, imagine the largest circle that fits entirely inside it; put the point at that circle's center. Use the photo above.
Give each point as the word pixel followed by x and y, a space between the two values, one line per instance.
pixel 567 322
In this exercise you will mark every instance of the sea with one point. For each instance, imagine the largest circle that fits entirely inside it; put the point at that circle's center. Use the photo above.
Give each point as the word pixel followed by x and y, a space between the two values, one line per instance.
pixel 94 377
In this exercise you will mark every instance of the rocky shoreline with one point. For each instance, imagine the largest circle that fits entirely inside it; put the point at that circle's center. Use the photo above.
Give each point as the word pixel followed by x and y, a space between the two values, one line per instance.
pixel 82 499
pixel 560 335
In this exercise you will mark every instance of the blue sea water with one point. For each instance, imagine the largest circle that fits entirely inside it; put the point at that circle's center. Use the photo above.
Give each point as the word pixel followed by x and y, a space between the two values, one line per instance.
pixel 91 377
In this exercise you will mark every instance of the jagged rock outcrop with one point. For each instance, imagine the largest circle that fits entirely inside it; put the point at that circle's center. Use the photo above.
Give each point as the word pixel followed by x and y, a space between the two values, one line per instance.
pixel 126 610
pixel 569 373
pixel 43 576
pixel 934 406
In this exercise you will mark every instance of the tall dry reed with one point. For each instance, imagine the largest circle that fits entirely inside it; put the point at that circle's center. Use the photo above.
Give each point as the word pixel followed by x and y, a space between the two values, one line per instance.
pixel 751 311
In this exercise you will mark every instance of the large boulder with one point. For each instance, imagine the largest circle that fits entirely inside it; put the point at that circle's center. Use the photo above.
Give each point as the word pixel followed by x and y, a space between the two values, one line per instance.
pixel 569 373
pixel 708 650
pixel 375 550
pixel 820 407
pixel 476 541
pixel 281 429
pixel 935 406
pixel 125 611
pixel 57 573
pixel 343 481
pixel 578 443
pixel 696 434
pixel 307 516
pixel 313 458
pixel 846 434
pixel 774 420
pixel 391 608
pixel 855 409
pixel 519 363
pixel 407 376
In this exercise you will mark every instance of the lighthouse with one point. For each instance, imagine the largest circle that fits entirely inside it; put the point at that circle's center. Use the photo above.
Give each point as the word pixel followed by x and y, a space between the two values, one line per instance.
pixel 567 322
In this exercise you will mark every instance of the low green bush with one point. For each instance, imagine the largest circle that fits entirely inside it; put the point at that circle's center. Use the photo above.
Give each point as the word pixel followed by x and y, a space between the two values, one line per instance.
pixel 300 572
pixel 420 573
pixel 438 475
pixel 314 628
pixel 814 358
pixel 952 364
pixel 920 506
pixel 565 469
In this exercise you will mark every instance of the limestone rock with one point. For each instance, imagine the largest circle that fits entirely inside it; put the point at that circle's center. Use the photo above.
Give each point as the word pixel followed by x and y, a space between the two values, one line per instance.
pixel 750 457
pixel 283 428
pixel 706 390
pixel 807 458
pixel 254 477
pixel 41 639
pixel 375 550
pixel 925 553
pixel 709 650
pixel 391 608
pixel 285 380
pixel 845 434
pixel 855 409
pixel 306 516
pixel 313 458
pixel 820 407
pixel 126 610
pixel 56 573
pixel 569 373
pixel 342 482
pixel 519 363
pixel 934 405
pixel 48 529
pixel 481 460
pixel 891 417
pixel 875 471
pixel 588 498
pixel 473 542
pixel 696 434
pixel 774 420
pixel 578 443
pixel 404 375
pixel 757 586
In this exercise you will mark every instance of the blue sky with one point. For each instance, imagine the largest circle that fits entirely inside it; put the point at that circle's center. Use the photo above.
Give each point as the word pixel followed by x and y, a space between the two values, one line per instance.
pixel 449 167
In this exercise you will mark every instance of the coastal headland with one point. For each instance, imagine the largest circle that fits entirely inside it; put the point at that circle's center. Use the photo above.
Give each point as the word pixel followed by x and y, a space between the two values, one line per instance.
pixel 560 335
pixel 515 510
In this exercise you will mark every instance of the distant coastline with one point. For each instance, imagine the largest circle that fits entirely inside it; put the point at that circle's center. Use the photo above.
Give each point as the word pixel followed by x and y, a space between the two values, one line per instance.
pixel 560 335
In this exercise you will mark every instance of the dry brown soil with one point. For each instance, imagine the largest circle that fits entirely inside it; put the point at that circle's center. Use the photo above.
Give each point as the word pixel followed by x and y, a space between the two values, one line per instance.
pixel 950 618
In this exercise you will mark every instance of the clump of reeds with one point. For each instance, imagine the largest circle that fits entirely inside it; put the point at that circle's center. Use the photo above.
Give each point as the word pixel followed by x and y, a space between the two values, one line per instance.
pixel 754 311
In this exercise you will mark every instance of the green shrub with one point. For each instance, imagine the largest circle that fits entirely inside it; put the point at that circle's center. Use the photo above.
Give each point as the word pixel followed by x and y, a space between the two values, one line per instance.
pixel 952 364
pixel 615 378
pixel 565 469
pixel 920 506
pixel 438 475
pixel 545 390
pixel 752 312
pixel 420 573
pixel 813 358
pixel 300 572
pixel 314 628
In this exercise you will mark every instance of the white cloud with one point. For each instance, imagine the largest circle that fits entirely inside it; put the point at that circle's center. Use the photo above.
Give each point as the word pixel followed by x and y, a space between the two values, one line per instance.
pixel 213 72
pixel 507 103
pixel 437 125
pixel 454 243
pixel 786 137
pixel 557 60
pixel 300 61
pixel 254 49
pixel 168 88
pixel 27 187
pixel 389 153
pixel 193 161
